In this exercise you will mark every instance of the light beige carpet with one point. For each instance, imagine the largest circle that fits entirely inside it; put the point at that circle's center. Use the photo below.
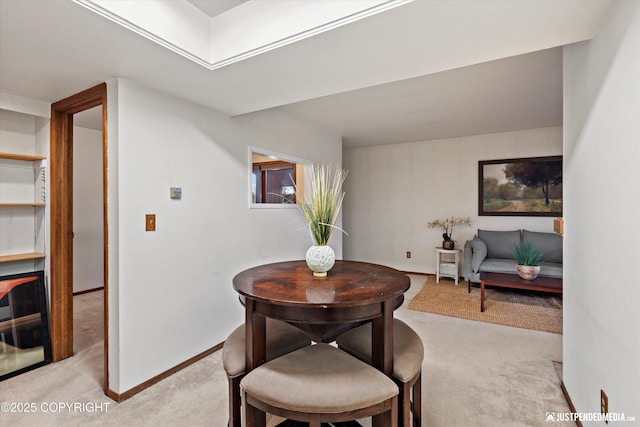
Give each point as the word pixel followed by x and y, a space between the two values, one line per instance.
pixel 527 310
pixel 474 374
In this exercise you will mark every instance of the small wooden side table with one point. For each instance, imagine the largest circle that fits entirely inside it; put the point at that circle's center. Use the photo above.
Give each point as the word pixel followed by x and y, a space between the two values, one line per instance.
pixel 447 267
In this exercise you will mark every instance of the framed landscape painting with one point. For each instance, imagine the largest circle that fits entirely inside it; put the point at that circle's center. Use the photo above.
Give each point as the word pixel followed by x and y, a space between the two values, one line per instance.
pixel 520 187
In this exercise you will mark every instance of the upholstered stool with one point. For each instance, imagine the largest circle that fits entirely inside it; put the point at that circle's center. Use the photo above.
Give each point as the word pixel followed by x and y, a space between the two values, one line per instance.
pixel 408 354
pixel 282 338
pixel 319 383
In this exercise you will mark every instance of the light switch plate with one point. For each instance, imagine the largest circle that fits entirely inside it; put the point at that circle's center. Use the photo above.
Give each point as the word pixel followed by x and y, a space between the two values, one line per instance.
pixel 150 222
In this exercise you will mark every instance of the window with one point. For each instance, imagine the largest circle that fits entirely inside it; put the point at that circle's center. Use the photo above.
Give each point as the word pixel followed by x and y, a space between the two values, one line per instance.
pixel 273 179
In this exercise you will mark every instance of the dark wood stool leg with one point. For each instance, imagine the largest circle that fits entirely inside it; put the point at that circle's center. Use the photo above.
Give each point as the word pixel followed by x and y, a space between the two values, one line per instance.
pixel 393 414
pixel 234 401
pixel 247 412
pixel 404 404
pixel 417 401
pixel 252 417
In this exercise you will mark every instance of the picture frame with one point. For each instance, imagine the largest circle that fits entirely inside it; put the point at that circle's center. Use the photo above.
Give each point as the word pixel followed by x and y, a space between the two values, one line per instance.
pixel 529 186
pixel 24 325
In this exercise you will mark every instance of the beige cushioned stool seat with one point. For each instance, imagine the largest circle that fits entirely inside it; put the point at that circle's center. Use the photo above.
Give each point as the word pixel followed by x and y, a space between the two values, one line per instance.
pixel 408 354
pixel 318 379
pixel 282 338
pixel 408 350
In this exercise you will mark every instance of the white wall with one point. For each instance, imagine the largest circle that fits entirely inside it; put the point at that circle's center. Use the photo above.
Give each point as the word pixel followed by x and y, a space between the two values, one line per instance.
pixel 88 240
pixel 170 291
pixel 394 190
pixel 602 216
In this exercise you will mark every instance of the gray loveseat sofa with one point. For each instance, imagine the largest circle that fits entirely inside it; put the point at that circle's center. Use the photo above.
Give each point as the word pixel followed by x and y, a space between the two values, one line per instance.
pixel 493 251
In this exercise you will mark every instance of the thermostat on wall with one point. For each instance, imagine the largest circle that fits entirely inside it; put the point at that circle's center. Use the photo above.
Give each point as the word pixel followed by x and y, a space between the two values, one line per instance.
pixel 176 192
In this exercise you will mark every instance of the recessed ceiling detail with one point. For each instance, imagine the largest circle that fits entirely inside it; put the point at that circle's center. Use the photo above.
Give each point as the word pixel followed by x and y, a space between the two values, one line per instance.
pixel 216 7
pixel 246 30
pixel 424 70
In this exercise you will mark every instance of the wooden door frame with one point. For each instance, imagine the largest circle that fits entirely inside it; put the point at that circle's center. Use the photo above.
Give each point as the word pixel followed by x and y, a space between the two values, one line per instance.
pixel 61 205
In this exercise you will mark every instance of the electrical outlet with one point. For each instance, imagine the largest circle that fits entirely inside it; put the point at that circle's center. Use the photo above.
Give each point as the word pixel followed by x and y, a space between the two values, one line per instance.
pixel 604 405
pixel 408 254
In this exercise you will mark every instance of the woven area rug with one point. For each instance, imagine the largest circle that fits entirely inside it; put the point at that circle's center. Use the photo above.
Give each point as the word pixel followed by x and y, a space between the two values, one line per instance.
pixel 527 310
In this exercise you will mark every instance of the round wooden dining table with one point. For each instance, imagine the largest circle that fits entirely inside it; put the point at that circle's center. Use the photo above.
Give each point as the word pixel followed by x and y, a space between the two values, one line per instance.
pixel 351 294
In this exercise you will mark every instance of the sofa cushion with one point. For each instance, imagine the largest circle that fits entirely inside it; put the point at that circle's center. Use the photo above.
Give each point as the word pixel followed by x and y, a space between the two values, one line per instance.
pixel 499 265
pixel 500 244
pixel 550 243
pixel 550 269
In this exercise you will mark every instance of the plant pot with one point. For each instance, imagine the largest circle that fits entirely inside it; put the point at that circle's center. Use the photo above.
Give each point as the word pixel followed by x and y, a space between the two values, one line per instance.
pixel 528 272
pixel 320 259
pixel 448 244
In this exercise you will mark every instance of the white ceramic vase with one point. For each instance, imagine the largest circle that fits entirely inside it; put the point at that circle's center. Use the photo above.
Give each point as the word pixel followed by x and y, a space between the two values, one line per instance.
pixel 528 272
pixel 320 259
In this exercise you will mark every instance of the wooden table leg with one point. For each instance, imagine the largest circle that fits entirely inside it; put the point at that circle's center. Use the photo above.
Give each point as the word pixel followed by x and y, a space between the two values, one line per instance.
pixel 382 340
pixel 382 350
pixel 482 296
pixel 255 353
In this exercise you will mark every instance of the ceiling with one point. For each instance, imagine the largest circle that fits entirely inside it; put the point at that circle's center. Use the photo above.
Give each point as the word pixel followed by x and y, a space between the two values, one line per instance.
pixel 217 7
pixel 515 93
pixel 424 70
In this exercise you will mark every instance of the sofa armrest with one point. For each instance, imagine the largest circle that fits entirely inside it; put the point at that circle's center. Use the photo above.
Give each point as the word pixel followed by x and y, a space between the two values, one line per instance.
pixel 475 251
pixel 468 255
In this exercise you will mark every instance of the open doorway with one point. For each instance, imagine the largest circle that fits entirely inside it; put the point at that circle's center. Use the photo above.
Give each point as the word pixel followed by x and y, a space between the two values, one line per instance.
pixel 88 239
pixel 61 279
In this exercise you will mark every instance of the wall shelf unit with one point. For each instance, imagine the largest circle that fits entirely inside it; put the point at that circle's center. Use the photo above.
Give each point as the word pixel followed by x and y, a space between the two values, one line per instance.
pixel 22 191
pixel 32 205
pixel 24 157
pixel 21 257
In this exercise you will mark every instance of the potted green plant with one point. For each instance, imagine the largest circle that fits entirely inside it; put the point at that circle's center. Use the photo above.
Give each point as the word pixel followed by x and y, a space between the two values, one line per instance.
pixel 528 259
pixel 447 228
pixel 320 200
